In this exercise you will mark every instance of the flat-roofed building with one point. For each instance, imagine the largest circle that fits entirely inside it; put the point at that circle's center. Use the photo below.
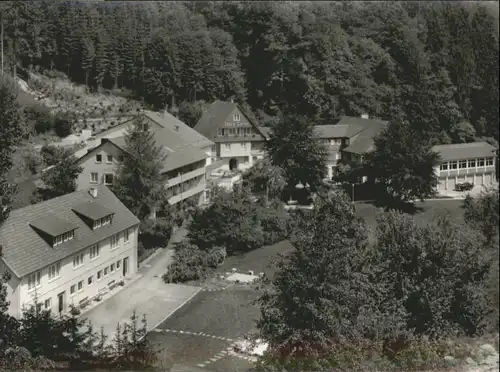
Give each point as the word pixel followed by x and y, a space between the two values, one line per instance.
pixel 465 162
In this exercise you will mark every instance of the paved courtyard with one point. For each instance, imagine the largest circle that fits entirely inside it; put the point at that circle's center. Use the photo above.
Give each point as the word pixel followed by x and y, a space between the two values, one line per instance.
pixel 148 294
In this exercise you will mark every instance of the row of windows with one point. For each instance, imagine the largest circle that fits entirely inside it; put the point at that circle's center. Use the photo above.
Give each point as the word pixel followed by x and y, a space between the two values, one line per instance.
pixel 333 141
pixel 34 279
pixel 102 221
pixel 466 164
pixel 47 303
pixel 108 178
pixel 90 280
pixel 109 158
pixel 184 186
pixel 64 237
pixel 237 132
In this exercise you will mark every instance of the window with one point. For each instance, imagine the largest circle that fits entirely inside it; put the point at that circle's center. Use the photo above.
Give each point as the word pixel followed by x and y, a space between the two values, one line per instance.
pixel 94 251
pixel 78 260
pixel 118 264
pixel 227 146
pixel 48 303
pixel 64 237
pixel 97 223
pixel 115 241
pixel 112 268
pixel 58 240
pixel 54 271
pixel 472 163
pixel 98 158
pixel 90 280
pixel 108 179
pixel 337 156
pixel 462 164
pixel 453 165
pixel 444 166
pixel 39 306
pixel 105 271
pixel 244 145
pixel 109 158
pixel 34 280
pixel 99 275
pixel 106 220
pixel 236 117
pixel 72 289
pixel 145 127
pixel 480 162
pixel 80 286
pixel 126 236
pixel 489 162
pixel 120 158
pixel 94 177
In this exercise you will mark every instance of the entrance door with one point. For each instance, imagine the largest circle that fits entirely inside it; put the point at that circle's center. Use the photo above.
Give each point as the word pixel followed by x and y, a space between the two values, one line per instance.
pixel 60 302
pixel 125 266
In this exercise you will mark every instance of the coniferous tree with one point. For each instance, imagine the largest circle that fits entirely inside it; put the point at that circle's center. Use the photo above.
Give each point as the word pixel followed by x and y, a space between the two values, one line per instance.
pixel 139 182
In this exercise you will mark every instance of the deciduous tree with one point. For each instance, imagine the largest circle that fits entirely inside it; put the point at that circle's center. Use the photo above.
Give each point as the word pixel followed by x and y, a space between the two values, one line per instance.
pixel 403 163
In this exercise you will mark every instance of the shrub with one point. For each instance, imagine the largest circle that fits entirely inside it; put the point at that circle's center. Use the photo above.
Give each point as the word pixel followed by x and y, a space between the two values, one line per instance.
pixel 63 125
pixel 216 256
pixel 52 155
pixel 189 263
pixel 156 233
pixel 39 117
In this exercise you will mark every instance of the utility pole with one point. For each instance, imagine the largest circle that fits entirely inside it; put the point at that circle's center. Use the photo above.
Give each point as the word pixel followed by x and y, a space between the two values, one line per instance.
pixel 352 184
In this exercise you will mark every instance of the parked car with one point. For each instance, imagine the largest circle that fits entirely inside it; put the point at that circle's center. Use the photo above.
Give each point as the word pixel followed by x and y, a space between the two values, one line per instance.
pixel 464 186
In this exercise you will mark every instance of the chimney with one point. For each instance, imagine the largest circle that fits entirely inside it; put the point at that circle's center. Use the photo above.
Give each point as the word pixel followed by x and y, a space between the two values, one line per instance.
pixel 365 116
pixel 93 192
pixel 176 128
pixel 232 100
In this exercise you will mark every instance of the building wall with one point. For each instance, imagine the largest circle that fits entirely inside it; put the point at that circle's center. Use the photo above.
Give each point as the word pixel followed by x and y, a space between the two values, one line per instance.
pixel 12 286
pixel 70 275
pixel 90 165
pixel 479 175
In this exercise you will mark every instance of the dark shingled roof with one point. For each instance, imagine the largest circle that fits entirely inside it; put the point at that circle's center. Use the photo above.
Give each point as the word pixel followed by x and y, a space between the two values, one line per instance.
pixel 336 131
pixel 459 151
pixel 92 210
pixel 178 152
pixel 53 225
pixel 216 114
pixel 25 251
pixel 170 122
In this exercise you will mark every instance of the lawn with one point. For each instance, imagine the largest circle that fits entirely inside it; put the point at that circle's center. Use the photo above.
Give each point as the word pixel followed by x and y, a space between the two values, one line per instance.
pixel 260 260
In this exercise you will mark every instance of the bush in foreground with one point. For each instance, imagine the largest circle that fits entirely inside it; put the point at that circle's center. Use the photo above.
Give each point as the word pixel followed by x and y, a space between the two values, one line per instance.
pixel 189 263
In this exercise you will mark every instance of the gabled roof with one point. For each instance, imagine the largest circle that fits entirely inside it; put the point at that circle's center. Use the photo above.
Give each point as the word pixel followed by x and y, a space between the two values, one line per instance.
pixel 170 122
pixel 178 152
pixel 25 251
pixel 363 143
pixel 216 114
pixel 459 151
pixel 336 130
pixel 92 210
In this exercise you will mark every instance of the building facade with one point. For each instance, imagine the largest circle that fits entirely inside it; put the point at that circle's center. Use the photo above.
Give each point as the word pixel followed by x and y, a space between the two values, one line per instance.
pixel 239 142
pixel 188 155
pixel 465 162
pixel 67 250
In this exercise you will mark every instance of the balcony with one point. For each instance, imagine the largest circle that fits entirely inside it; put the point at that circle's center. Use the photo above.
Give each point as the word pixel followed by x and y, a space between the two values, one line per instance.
pixel 186 176
pixel 188 193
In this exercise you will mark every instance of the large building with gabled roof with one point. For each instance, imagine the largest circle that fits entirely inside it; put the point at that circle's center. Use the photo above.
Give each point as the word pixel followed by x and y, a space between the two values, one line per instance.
pixel 67 250
pixel 239 142
pixel 188 153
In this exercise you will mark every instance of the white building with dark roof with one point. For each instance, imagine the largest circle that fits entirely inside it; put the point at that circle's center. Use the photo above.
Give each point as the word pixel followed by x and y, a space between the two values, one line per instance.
pixel 465 162
pixel 67 250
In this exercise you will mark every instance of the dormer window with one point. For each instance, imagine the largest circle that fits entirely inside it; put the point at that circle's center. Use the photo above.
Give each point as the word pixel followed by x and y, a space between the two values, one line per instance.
pixel 64 237
pixel 94 214
pixel 236 117
pixel 102 221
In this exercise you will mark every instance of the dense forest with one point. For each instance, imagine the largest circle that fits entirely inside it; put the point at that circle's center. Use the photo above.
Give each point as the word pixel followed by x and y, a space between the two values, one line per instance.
pixel 434 63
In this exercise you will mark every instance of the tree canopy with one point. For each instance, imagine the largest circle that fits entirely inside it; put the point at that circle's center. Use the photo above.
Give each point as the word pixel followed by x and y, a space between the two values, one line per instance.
pixel 435 63
pixel 403 163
